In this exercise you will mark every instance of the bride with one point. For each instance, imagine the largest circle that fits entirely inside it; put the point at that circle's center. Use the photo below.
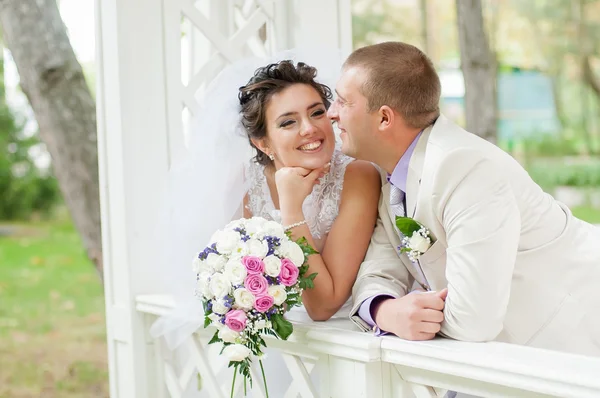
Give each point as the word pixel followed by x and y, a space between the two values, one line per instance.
pixel 302 181
pixel 294 174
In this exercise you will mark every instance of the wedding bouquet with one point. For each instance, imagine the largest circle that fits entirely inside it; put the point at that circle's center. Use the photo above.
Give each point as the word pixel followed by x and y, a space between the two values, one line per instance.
pixel 250 274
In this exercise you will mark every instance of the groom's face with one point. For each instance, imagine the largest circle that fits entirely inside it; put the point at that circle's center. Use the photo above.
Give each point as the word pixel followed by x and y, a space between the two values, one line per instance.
pixel 350 112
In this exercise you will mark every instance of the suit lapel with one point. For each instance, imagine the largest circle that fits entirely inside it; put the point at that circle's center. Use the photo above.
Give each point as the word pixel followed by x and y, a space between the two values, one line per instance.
pixel 415 171
pixel 385 191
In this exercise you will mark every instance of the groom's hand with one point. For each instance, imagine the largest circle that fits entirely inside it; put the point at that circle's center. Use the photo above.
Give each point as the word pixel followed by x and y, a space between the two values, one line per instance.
pixel 416 316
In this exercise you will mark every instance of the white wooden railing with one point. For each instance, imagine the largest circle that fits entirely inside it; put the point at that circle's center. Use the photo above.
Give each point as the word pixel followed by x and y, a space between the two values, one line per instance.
pixel 350 363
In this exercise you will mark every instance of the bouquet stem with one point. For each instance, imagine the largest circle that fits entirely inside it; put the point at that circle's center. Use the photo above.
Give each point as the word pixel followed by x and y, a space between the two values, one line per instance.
pixel 233 382
pixel 262 370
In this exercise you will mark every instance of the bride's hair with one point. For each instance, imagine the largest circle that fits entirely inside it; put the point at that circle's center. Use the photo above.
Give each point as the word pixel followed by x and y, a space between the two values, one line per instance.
pixel 269 80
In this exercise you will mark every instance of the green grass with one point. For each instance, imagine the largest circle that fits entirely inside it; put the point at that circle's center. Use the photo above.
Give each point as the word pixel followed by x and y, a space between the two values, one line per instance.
pixel 589 214
pixel 52 326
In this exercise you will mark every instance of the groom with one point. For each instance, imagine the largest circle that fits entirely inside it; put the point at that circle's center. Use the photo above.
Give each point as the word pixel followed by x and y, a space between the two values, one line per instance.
pixel 507 261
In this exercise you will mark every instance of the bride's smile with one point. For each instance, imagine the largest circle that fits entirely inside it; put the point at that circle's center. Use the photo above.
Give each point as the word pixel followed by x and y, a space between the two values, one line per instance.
pixel 312 146
pixel 299 134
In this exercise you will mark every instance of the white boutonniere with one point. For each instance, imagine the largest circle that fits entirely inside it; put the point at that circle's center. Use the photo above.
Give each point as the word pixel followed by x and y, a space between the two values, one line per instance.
pixel 416 238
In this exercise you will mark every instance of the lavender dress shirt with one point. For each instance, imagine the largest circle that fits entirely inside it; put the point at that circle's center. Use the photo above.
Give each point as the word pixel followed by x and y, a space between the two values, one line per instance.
pixel 398 179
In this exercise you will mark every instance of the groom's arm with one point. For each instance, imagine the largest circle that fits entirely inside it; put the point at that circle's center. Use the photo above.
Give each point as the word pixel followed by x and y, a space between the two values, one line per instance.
pixel 482 224
pixel 382 274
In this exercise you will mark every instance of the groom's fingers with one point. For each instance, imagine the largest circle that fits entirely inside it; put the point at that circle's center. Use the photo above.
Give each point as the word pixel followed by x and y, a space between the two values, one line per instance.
pixel 443 293
pixel 430 327
pixel 424 336
pixel 428 315
pixel 431 301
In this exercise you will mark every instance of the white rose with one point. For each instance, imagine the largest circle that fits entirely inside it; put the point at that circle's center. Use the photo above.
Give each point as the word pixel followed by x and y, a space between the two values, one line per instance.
pixel 219 285
pixel 197 265
pixel 228 335
pixel 219 307
pixel 272 266
pixel 261 324
pixel 234 224
pixel 236 352
pixel 215 262
pixel 235 271
pixel 243 298
pixel 292 251
pixel 419 243
pixel 255 247
pixel 278 293
pixel 216 318
pixel 253 225
pixel 216 321
pixel 202 285
pixel 227 241
pixel 271 228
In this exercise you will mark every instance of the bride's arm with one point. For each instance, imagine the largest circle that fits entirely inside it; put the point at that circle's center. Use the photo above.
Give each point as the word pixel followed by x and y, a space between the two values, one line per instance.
pixel 346 244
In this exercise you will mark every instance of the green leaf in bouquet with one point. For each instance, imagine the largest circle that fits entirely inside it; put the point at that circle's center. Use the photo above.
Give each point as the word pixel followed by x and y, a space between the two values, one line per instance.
pixel 302 270
pixel 215 338
pixel 307 249
pixel 407 226
pixel 207 321
pixel 307 282
pixel 282 326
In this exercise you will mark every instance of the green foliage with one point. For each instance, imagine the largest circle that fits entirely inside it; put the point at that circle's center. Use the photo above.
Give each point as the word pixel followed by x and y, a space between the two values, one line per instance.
pixel 52 325
pixel 25 189
pixel 549 175
pixel 407 226
pixel 589 214
pixel 282 326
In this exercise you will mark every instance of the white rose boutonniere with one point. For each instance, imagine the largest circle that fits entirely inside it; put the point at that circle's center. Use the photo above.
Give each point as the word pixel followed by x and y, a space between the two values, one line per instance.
pixel 417 239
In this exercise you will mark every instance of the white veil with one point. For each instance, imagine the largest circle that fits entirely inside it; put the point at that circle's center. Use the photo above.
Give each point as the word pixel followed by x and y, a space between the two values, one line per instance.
pixel 206 186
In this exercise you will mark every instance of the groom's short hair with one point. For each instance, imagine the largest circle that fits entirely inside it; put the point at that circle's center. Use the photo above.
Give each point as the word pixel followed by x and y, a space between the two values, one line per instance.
pixel 402 77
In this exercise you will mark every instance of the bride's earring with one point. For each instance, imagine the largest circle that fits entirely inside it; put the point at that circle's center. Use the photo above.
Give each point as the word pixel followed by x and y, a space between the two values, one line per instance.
pixel 271 156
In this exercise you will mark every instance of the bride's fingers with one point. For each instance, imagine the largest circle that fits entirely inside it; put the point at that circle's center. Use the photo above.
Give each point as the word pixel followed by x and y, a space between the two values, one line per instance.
pixel 301 171
pixel 314 175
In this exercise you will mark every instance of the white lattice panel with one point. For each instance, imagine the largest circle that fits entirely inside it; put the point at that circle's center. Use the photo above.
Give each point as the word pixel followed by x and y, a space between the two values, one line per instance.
pixel 202 37
pixel 196 357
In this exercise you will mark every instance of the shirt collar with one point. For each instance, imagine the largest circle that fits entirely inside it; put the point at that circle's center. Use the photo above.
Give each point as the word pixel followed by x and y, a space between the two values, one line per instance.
pixel 400 174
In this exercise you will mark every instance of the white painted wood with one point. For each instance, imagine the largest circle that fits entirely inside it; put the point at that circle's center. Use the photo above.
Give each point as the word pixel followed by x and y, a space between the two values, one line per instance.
pixel 144 90
pixel 319 23
pixel 131 102
pixel 358 364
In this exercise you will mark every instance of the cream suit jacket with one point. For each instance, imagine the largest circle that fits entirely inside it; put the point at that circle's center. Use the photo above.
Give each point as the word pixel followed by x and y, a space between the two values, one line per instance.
pixel 519 267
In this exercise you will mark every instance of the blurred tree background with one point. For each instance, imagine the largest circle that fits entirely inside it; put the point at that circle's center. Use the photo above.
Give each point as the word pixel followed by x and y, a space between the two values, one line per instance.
pixel 542 59
pixel 532 67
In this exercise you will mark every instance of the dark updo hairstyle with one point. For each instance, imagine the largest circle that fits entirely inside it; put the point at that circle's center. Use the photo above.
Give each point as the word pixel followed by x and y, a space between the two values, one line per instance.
pixel 266 82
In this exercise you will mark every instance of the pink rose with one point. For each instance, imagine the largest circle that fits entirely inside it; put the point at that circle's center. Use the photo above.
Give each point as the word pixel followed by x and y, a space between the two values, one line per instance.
pixel 263 303
pixel 236 320
pixel 289 272
pixel 256 284
pixel 254 265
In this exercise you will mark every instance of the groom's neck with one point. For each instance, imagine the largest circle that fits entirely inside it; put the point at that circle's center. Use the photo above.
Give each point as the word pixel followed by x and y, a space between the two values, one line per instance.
pixel 389 157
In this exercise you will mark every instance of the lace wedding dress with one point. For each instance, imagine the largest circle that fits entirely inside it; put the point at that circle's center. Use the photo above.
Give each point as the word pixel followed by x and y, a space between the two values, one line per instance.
pixel 320 210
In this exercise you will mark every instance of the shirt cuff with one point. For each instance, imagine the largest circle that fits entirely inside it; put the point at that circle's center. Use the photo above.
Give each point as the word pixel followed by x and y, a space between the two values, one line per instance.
pixel 365 312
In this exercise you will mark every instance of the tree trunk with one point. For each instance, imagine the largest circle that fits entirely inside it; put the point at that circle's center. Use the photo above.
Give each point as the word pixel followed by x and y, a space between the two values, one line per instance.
pixel 477 65
pixel 53 81
pixel 589 77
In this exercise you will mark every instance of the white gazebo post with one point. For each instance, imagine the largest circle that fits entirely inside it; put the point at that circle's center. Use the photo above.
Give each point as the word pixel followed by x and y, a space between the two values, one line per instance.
pixel 140 96
pixel 134 157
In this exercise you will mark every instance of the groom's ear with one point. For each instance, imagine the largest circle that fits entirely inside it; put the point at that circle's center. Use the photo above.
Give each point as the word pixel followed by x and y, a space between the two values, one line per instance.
pixel 386 117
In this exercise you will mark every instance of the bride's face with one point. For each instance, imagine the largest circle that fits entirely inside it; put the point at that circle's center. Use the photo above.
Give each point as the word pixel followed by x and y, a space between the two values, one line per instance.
pixel 299 134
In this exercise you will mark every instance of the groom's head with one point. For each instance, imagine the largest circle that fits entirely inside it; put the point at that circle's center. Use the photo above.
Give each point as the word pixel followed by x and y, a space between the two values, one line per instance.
pixel 387 93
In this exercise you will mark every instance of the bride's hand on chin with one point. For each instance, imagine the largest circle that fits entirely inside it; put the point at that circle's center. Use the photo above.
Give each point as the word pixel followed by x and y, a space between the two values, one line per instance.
pixel 294 184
